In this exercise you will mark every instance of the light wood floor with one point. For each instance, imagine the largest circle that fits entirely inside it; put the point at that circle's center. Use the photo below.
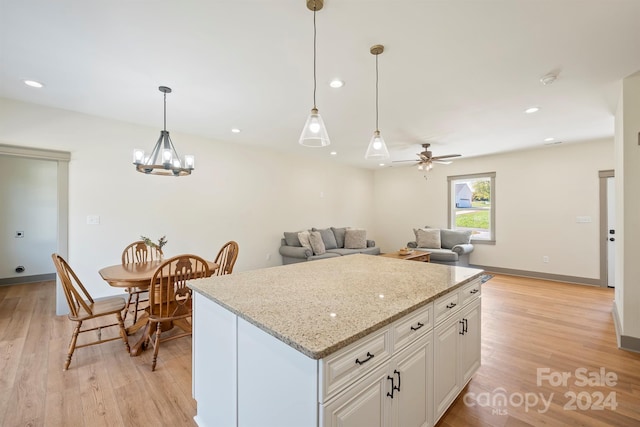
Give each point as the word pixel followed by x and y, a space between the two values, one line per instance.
pixel 527 324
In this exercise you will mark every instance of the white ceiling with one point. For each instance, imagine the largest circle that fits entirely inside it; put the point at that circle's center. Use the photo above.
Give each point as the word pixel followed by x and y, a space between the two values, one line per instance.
pixel 458 74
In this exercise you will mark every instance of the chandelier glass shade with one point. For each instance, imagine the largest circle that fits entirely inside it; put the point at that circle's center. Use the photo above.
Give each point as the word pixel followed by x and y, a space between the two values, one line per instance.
pixel 377 149
pixel 314 133
pixel 164 159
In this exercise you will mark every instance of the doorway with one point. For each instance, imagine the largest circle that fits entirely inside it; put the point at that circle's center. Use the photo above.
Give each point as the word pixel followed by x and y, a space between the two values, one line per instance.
pixel 607 228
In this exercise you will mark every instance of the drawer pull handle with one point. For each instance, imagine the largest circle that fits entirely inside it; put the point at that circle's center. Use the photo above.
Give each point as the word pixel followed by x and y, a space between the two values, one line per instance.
pixel 397 372
pixel 473 291
pixel 420 325
pixel 453 304
pixel 369 357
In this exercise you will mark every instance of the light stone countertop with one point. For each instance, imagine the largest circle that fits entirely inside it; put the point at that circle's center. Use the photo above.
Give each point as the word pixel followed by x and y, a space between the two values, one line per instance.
pixel 319 307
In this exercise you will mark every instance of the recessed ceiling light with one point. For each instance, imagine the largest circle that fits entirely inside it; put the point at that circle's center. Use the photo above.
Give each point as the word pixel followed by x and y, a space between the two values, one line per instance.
pixel 532 110
pixel 549 139
pixel 380 164
pixel 33 83
pixel 334 153
pixel 336 83
pixel 235 130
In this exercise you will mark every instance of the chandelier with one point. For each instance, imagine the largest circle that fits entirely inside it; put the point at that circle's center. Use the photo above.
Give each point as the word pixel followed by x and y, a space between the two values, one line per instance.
pixel 164 159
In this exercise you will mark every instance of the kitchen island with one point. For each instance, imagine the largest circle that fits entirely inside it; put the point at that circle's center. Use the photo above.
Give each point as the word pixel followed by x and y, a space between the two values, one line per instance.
pixel 349 340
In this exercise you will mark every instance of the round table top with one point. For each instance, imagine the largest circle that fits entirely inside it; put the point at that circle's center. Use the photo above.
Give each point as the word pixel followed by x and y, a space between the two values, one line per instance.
pixel 137 274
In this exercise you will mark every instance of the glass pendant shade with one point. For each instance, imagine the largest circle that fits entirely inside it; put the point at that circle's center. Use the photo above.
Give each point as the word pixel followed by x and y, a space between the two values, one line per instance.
pixel 314 134
pixel 377 148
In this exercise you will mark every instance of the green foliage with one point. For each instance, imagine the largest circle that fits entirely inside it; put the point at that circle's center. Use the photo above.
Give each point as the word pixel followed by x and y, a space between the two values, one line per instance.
pixel 161 242
pixel 482 190
pixel 478 219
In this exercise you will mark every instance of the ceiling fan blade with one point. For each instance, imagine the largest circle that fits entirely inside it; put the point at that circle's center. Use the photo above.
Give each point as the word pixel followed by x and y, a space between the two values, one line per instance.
pixel 448 156
pixel 441 162
pixel 399 161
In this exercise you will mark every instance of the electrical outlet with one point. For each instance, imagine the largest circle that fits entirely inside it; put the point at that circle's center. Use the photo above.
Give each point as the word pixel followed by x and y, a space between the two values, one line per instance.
pixel 545 258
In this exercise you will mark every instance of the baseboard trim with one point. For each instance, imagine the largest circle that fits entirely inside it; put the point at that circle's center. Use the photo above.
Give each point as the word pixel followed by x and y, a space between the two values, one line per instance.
pixel 539 275
pixel 28 279
pixel 625 342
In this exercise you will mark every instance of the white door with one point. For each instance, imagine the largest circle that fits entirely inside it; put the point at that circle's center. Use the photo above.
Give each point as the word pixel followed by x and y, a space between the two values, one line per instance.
pixel 611 229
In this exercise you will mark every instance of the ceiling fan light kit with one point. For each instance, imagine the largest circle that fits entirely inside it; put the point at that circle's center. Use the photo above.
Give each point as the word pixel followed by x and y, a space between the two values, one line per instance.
pixel 164 159
pixel 314 132
pixel 377 149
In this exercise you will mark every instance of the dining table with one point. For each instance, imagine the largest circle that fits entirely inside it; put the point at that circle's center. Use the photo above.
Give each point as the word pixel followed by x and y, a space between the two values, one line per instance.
pixel 137 275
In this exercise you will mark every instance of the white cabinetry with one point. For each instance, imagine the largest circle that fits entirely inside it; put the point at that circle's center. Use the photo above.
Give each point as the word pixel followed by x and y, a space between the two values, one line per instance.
pixel 456 344
pixel 405 374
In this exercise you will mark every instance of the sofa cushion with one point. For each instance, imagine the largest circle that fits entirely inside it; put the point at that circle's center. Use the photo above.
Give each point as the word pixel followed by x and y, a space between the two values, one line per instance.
pixel 303 237
pixel 355 238
pixel 428 238
pixel 315 238
pixel 450 238
pixel 443 255
pixel 328 238
pixel 339 233
pixel 291 237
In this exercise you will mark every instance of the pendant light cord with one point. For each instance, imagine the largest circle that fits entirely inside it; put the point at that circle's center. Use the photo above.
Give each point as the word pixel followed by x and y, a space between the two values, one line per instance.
pixel 165 111
pixel 314 57
pixel 376 92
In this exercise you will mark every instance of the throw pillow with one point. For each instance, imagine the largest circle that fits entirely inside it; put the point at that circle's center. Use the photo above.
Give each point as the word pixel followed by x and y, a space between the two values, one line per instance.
pixel 428 238
pixel 328 238
pixel 303 236
pixel 450 238
pixel 317 245
pixel 355 238
pixel 339 233
pixel 291 238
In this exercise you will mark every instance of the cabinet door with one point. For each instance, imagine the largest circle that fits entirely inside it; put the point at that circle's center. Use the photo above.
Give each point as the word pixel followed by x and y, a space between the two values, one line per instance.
pixel 470 342
pixel 364 404
pixel 412 405
pixel 445 376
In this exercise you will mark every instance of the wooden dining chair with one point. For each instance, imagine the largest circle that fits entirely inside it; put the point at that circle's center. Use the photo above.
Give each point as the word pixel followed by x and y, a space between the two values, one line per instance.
pixel 82 307
pixel 136 253
pixel 170 298
pixel 226 258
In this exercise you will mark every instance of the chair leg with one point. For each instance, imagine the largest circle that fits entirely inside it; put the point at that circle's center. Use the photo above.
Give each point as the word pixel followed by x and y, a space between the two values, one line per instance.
pixel 123 331
pixel 156 346
pixel 128 306
pixel 135 312
pixel 72 345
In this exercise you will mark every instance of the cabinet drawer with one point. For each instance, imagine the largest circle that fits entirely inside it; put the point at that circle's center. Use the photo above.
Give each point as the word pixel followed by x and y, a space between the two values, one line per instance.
pixel 470 291
pixel 354 361
pixel 412 326
pixel 447 305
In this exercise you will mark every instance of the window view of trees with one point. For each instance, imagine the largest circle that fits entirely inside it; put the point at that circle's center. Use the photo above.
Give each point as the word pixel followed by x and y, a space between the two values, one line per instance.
pixel 471 205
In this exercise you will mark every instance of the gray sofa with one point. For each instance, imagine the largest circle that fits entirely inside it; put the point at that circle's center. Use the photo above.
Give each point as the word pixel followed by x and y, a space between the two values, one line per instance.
pixel 333 239
pixel 451 247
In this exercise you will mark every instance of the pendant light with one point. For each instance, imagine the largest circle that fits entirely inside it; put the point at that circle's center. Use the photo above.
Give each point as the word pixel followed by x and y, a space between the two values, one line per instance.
pixel 314 134
pixel 164 159
pixel 377 148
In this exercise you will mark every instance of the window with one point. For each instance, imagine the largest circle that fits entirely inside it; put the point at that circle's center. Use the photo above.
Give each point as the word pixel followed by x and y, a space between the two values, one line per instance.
pixel 472 205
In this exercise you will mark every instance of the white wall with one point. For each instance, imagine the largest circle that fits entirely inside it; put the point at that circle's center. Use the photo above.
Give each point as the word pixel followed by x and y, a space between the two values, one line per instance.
pixel 628 208
pixel 240 193
pixel 539 193
pixel 29 203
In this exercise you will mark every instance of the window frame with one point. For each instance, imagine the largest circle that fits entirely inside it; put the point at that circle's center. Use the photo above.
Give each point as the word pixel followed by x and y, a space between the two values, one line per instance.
pixel 451 204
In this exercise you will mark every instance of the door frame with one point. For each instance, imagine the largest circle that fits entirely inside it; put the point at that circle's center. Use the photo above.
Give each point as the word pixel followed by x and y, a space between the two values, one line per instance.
pixel 604 229
pixel 62 158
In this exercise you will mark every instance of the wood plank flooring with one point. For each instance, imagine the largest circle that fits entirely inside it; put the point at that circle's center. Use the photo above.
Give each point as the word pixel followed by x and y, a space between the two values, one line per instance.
pixel 527 324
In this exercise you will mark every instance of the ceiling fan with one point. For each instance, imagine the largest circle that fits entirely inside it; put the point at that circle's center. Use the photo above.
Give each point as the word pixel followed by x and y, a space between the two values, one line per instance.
pixel 426 159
